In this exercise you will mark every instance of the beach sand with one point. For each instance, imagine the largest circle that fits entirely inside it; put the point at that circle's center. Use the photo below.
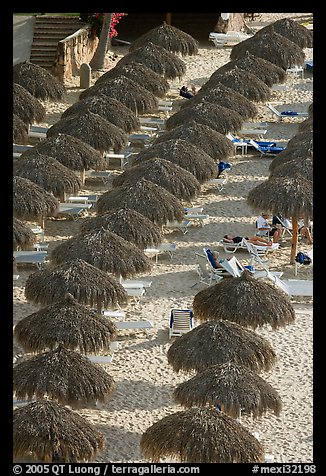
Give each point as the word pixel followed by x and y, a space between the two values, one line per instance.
pixel 145 381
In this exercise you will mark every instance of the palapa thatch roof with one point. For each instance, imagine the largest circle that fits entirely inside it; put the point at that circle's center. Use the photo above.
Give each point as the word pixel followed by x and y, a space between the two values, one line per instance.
pixel 110 109
pixel 26 106
pixel 311 109
pixel 213 143
pixel 38 81
pixel 303 166
pixel 169 37
pixel 71 152
pixel 104 250
pixel 62 375
pixel 291 153
pixel 20 130
pixel 219 118
pixel 246 300
pixel 233 387
pixel 88 284
pixel 47 173
pixel 227 97
pixel 147 198
pixel 23 237
pixel 290 196
pixel 266 71
pixel 30 201
pixel 307 125
pixel 146 77
pixel 218 342
pixel 158 59
pixel 272 47
pixel 65 322
pixel 183 153
pixel 92 129
pixel 302 141
pixel 127 223
pixel 242 81
pixel 133 95
pixel 292 30
pixel 172 177
pixel 48 430
pixel 200 435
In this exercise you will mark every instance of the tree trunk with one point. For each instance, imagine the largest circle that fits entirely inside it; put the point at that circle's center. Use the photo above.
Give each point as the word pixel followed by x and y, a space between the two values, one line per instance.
pixel 98 60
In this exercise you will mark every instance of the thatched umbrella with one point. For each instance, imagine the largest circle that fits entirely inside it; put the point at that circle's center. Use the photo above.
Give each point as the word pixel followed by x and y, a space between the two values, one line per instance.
pixel 303 166
pixel 169 37
pixel 50 431
pixel 133 95
pixel 156 58
pixel 26 106
pixel 65 322
pixel 306 125
pixel 227 97
pixel 62 375
pixel 48 173
pixel 23 237
pixel 310 109
pixel 272 47
pixel 219 118
pixel 292 30
pixel 20 130
pixel 31 202
pixel 168 175
pixel 200 435
pixel 183 153
pixel 246 300
pixel 109 108
pixel 215 144
pixel 302 140
pixel 233 387
pixel 127 223
pixel 147 198
pixel 266 71
pixel 88 284
pixel 38 81
pixel 104 250
pixel 289 154
pixel 242 81
pixel 290 196
pixel 218 342
pixel 146 77
pixel 92 129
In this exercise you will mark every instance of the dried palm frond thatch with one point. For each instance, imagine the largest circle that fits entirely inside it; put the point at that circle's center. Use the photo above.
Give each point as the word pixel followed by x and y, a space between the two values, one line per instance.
pixel 169 37
pixel 32 202
pixel 218 342
pixel 48 173
pixel 200 435
pixel 307 125
pixel 26 106
pixel 310 109
pixel 246 300
pixel 49 431
pixel 146 77
pixel 104 250
pixel 133 95
pixel 147 198
pixel 213 143
pixel 233 387
pixel 302 140
pixel 183 153
pixel 272 47
pixel 266 71
pixel 65 322
pixel 23 236
pixel 38 81
pixel 156 58
pixel 88 284
pixel 299 150
pixel 172 177
pixel 20 130
pixel 64 376
pixel 92 129
pixel 292 30
pixel 303 166
pixel 127 223
pixel 110 109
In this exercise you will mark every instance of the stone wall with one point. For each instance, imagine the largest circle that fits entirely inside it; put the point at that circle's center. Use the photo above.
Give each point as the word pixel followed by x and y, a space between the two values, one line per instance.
pixel 73 51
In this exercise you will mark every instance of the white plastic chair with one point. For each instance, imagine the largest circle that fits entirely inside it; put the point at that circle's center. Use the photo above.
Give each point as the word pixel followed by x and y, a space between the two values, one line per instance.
pixel 181 322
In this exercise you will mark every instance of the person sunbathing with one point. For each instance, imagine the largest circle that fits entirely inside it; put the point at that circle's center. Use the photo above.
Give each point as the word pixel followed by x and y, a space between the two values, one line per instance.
pixel 256 240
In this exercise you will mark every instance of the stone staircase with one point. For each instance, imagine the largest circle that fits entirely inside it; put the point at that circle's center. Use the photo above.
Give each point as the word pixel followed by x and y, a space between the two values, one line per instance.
pixel 48 31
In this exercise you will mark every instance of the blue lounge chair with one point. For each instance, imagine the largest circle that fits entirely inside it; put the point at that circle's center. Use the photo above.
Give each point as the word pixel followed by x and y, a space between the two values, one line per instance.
pixel 266 150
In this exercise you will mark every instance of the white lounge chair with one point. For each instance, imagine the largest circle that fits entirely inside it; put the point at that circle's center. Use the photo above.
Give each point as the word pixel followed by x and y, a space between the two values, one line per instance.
pixel 218 182
pixel 105 175
pixel 31 257
pixel 281 115
pixel 177 225
pixel 196 218
pixel 296 70
pixel 74 210
pixel 135 325
pixel 227 39
pixel 162 248
pixel 181 322
pixel 207 274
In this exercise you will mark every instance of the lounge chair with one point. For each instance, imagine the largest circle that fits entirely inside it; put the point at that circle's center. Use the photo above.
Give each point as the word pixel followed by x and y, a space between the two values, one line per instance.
pixel 196 218
pixel 265 150
pixel 38 132
pixel 207 274
pixel 31 257
pixel 227 39
pixel 281 115
pixel 134 325
pixel 232 247
pixel 218 182
pixel 235 269
pixel 296 70
pixel 101 174
pixel 74 210
pixel 181 322
pixel 162 248
pixel 177 225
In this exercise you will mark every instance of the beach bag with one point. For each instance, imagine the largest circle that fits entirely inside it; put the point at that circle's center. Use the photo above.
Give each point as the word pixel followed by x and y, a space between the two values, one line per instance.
pixel 302 258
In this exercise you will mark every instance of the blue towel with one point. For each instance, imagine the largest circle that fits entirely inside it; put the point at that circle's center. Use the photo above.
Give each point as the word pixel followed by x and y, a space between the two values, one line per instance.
pixel 266 143
pixel 211 258
pixel 289 113
pixel 272 150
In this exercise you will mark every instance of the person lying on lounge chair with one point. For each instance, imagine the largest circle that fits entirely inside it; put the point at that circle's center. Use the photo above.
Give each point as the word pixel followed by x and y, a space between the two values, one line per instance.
pixel 185 93
pixel 256 240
